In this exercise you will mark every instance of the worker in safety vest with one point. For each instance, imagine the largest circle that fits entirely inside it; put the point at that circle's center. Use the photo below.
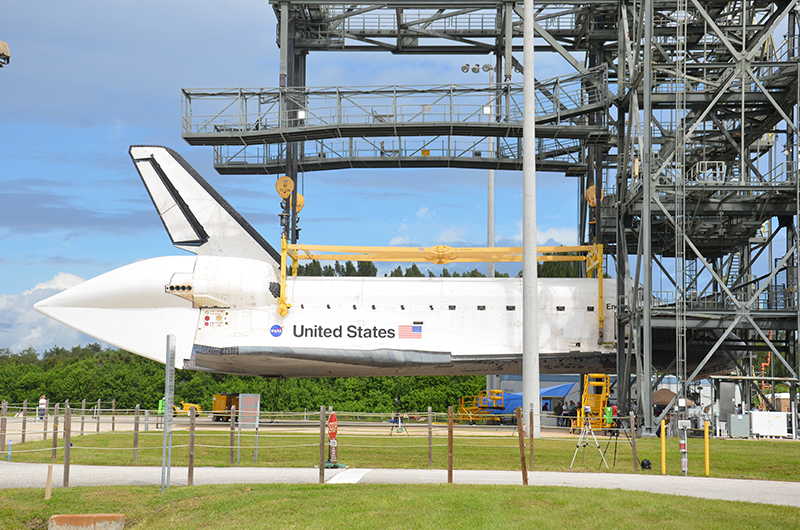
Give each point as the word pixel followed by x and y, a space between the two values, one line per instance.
pixel 608 416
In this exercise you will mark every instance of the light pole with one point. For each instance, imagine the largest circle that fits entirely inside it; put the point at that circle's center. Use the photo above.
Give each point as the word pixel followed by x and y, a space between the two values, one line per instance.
pixel 490 186
pixel 530 296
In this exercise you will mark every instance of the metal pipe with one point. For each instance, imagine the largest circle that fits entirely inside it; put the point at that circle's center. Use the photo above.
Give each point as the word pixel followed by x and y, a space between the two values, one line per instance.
pixel 509 13
pixel 645 395
pixel 284 43
pixel 490 177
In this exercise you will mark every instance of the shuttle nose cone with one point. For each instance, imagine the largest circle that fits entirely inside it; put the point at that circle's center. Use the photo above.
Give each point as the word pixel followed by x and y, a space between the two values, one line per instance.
pixel 129 308
pixel 139 284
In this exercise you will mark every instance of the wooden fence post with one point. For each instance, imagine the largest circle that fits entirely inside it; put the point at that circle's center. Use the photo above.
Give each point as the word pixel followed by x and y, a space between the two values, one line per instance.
pixel 322 444
pixel 136 433
pixel 66 408
pixel 55 432
pixel 430 437
pixel 450 444
pixel 530 438
pixel 98 415
pixel 67 441
pixel 48 486
pixel 233 430
pixel 113 413
pixel 192 416
pixel 521 434
pixel 255 447
pixel 24 419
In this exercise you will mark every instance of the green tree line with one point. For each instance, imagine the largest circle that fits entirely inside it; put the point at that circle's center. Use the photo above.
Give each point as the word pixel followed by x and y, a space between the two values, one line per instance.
pixel 93 373
pixel 548 269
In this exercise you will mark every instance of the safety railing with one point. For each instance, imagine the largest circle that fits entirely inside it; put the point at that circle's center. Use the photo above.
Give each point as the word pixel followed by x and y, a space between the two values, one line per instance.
pixel 348 21
pixel 562 100
pixel 772 298
pixel 721 179
pixel 375 150
pixel 375 21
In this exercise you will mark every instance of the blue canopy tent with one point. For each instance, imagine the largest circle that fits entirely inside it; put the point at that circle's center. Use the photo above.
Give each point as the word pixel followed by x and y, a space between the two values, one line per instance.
pixel 512 401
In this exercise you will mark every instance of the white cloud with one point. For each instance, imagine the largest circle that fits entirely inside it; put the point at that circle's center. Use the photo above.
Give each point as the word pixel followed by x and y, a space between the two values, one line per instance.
pixel 426 229
pixel 398 241
pixel 61 282
pixel 562 236
pixel 450 237
pixel 423 213
pixel 21 326
pixel 558 235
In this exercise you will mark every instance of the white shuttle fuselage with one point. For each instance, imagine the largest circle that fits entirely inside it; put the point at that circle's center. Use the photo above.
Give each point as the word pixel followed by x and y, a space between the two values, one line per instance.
pixel 222 305
pixel 412 326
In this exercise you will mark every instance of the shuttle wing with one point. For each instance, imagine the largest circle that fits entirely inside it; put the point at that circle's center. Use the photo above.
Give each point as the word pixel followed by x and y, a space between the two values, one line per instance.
pixel 196 217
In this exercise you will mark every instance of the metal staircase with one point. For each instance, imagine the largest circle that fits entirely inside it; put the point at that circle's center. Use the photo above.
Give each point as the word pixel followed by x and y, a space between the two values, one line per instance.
pixel 595 397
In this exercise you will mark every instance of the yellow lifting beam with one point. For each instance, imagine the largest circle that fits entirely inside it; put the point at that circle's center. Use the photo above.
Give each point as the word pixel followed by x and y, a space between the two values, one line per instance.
pixel 440 255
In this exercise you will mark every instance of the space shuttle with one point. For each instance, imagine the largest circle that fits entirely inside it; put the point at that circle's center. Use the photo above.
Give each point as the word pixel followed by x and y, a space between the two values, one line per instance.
pixel 226 306
pixel 221 302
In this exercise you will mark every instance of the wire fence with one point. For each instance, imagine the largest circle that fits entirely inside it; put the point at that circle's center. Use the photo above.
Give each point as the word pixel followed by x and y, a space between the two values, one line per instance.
pixel 59 434
pixel 277 439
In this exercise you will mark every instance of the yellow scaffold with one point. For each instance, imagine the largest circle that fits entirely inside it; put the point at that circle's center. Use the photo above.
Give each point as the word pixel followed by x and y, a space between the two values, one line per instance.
pixel 596 389
pixel 440 255
pixel 481 408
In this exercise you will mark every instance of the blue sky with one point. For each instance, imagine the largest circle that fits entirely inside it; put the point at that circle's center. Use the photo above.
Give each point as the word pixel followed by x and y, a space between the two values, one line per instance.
pixel 88 79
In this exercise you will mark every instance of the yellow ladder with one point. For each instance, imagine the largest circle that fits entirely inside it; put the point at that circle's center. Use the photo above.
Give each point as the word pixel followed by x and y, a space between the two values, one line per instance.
pixel 596 401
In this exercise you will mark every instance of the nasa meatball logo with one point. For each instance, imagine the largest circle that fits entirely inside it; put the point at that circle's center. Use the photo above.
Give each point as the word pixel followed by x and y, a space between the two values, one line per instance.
pixel 276 330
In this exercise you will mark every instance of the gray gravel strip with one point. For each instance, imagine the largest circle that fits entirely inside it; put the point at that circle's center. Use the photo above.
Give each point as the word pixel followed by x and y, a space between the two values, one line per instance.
pixel 20 475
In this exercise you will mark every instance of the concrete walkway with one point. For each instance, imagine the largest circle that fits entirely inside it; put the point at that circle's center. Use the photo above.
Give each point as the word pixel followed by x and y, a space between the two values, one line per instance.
pixel 20 475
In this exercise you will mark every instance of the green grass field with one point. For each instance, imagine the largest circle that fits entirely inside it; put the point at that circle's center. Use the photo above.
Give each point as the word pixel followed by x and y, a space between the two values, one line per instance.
pixel 729 458
pixel 404 506
pixel 388 507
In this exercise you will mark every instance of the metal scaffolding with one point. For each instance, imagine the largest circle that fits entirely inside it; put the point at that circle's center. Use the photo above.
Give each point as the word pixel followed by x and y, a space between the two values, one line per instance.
pixel 679 117
pixel 706 166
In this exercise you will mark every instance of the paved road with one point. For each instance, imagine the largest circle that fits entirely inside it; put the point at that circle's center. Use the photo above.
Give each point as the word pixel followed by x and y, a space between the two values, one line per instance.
pixel 20 475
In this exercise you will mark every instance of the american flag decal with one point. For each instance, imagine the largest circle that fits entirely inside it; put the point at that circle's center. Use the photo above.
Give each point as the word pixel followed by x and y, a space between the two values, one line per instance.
pixel 410 332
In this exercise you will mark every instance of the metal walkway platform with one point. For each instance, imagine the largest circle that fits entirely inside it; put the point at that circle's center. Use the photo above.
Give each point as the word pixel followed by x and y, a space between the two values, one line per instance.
pixel 397 126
